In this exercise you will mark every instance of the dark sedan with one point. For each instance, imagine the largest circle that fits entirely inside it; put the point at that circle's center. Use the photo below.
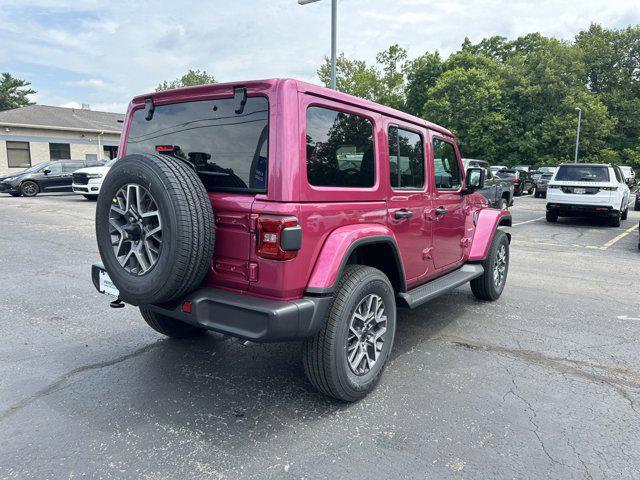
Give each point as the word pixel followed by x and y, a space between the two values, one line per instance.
pixel 56 176
pixel 522 181
pixel 541 185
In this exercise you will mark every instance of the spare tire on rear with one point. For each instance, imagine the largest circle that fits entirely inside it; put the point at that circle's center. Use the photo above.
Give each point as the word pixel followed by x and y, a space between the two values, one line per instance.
pixel 155 228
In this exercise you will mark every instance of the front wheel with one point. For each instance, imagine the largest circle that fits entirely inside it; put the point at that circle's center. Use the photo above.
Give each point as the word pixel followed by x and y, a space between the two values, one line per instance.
pixel 170 326
pixel 346 358
pixel 490 284
pixel 29 188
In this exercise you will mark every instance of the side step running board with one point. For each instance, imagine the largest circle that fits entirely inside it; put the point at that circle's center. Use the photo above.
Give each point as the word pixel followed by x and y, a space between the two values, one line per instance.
pixel 444 284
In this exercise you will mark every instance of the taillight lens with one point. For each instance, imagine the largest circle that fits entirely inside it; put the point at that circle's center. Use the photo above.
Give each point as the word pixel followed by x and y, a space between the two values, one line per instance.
pixel 274 240
pixel 164 148
pixel 515 179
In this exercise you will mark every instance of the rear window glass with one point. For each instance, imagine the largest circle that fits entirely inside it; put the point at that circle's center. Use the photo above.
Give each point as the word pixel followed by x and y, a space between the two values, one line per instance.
pixel 582 173
pixel 546 175
pixel 339 149
pixel 507 174
pixel 227 149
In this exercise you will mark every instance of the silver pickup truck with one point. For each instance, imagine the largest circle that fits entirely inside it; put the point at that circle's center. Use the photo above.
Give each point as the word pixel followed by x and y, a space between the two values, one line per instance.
pixel 497 191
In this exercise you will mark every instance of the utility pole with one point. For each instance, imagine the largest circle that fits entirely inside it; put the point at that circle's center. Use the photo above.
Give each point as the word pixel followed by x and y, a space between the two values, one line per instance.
pixel 575 158
pixel 334 35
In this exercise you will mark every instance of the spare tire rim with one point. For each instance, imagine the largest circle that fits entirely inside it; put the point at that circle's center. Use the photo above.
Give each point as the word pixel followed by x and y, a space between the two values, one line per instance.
pixel 367 332
pixel 135 227
pixel 500 266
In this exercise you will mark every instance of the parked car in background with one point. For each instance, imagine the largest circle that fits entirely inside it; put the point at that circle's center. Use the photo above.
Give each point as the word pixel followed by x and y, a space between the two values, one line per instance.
pixel 522 181
pixel 540 188
pixel 55 176
pixel 497 191
pixel 547 169
pixel 588 189
pixel 87 181
pixel 495 168
pixel 629 174
pixel 524 168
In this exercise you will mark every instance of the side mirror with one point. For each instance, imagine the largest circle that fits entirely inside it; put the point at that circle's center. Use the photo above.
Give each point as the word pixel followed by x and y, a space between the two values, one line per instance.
pixel 46 171
pixel 474 179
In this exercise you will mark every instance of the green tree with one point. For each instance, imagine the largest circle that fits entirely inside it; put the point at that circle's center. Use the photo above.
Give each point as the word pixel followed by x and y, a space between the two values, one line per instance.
pixel 190 79
pixel 14 92
pixel 421 75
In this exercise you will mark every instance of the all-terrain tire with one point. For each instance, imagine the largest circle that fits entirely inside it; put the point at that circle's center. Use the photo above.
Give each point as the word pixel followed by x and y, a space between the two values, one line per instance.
pixel 187 228
pixel 170 326
pixel 325 355
pixel 485 287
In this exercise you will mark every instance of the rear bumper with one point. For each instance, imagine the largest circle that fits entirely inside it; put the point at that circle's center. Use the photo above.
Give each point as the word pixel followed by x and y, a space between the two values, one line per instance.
pixel 568 209
pixel 245 316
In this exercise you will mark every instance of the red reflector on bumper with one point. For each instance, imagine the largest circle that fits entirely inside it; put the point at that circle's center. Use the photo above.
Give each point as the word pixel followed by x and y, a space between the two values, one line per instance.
pixel 186 307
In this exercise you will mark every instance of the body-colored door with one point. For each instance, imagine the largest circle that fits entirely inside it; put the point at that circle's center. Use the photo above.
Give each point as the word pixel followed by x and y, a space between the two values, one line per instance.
pixel 408 200
pixel 447 204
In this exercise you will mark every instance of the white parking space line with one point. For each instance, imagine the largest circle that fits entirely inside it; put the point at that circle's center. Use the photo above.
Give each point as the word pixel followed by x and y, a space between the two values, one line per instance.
pixel 619 237
pixel 528 221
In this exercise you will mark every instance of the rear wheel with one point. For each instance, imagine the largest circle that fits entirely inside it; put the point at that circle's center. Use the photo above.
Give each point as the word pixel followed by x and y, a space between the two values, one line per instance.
pixel 29 188
pixel 636 206
pixel 170 326
pixel 490 284
pixel 552 217
pixel 346 358
pixel 503 204
pixel 536 193
pixel 625 214
pixel 615 220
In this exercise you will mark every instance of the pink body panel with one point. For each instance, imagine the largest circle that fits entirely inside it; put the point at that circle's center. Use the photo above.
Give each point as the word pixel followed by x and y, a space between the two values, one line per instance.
pixel 486 225
pixel 334 249
pixel 331 218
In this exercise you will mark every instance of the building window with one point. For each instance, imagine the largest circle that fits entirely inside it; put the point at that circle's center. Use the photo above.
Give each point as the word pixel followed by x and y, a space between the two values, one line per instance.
pixel 18 154
pixel 59 151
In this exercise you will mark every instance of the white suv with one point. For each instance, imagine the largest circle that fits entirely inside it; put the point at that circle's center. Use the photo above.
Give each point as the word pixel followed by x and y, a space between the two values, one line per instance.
pixel 87 181
pixel 588 189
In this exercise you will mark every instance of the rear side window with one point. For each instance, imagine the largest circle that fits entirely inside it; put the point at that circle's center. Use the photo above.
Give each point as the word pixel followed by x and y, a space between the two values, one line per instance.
pixel 582 173
pixel 227 149
pixel 406 158
pixel 445 166
pixel 339 149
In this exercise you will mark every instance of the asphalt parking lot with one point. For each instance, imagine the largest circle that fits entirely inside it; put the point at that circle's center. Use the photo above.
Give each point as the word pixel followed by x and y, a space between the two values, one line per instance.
pixel 544 383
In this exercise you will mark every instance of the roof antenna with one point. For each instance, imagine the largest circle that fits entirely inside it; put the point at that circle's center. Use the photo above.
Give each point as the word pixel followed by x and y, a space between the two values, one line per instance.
pixel 150 107
pixel 240 98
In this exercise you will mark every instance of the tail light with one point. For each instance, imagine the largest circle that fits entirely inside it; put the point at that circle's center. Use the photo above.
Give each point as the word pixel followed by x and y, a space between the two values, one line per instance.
pixel 164 148
pixel 515 179
pixel 279 238
pixel 612 189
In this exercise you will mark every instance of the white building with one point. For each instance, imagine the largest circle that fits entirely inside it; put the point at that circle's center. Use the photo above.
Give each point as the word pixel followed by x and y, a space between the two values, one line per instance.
pixel 39 133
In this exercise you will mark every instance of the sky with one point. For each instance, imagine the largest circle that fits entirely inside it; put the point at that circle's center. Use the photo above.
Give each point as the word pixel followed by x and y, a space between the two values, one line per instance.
pixel 105 52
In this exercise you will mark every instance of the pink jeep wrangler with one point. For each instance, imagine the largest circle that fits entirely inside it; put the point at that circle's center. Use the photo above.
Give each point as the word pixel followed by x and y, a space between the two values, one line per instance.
pixel 278 210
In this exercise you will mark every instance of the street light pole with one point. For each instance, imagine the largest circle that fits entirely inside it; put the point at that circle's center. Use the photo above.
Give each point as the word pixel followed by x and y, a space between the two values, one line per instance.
pixel 334 34
pixel 575 158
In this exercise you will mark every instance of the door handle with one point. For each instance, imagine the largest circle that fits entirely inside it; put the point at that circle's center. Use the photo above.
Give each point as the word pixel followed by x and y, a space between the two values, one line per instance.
pixel 441 211
pixel 403 214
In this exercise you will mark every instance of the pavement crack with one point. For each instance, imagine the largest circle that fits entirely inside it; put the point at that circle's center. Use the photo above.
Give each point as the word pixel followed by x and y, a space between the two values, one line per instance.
pixel 619 379
pixel 64 378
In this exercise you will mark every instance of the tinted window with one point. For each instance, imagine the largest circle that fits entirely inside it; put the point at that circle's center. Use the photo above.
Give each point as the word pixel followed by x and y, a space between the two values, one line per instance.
pixel 18 154
pixel 71 167
pixel 445 165
pixel 582 173
pixel 406 159
pixel 227 149
pixel 339 149
pixel 59 151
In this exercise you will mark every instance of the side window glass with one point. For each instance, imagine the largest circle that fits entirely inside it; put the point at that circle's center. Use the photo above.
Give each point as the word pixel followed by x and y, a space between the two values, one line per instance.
pixel 56 168
pixel 70 167
pixel 445 165
pixel 618 176
pixel 339 149
pixel 406 159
